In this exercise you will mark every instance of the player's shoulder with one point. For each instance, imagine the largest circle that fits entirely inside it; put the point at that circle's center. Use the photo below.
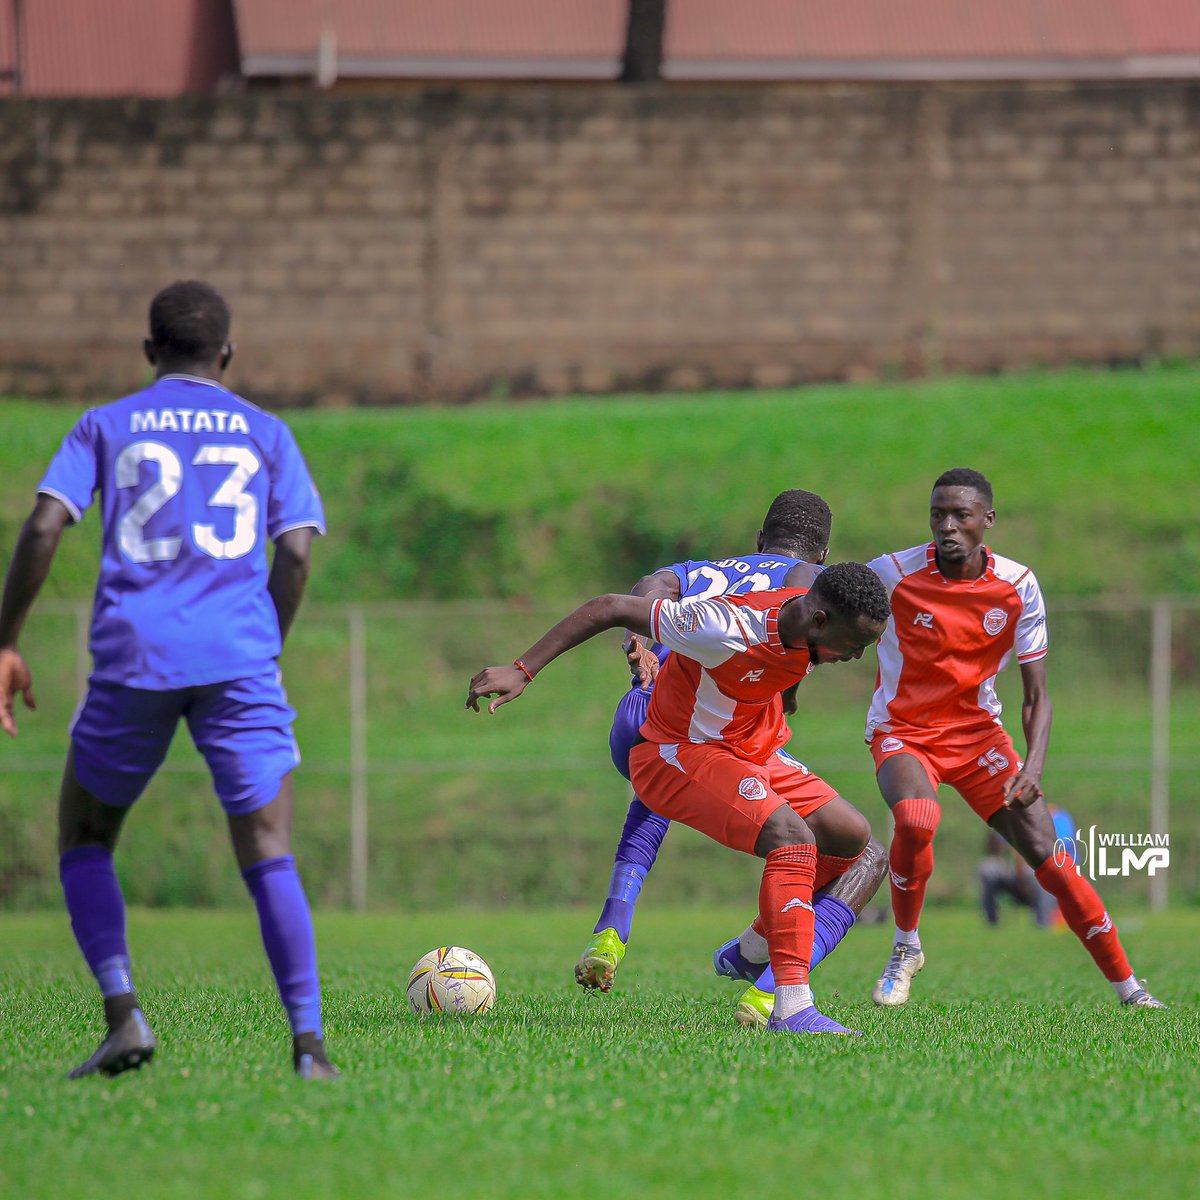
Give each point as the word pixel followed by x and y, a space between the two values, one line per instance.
pixel 1009 571
pixel 899 564
pixel 760 601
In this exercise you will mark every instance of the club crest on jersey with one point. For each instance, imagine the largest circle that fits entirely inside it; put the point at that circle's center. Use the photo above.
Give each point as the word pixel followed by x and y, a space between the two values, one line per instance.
pixel 889 744
pixel 685 621
pixel 752 788
pixel 994 620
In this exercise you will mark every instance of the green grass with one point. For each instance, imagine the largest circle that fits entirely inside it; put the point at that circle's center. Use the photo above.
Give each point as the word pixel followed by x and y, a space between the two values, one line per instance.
pixel 563 499
pixel 1013 1073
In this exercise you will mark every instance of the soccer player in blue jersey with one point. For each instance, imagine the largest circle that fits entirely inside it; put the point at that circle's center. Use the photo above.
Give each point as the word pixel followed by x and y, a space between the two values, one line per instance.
pixel 792 543
pixel 188 623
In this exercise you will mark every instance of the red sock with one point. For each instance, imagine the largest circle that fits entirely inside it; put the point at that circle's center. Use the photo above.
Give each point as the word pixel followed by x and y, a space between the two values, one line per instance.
pixel 829 867
pixel 911 857
pixel 1084 913
pixel 785 905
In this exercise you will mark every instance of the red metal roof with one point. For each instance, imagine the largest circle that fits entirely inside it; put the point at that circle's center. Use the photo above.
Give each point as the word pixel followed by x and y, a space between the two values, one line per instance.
pixel 119 47
pixel 930 38
pixel 545 39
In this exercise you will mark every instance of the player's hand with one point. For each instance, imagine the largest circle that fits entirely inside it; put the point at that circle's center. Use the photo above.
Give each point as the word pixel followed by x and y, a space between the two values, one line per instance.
pixel 505 683
pixel 14 678
pixel 789 699
pixel 643 662
pixel 1022 790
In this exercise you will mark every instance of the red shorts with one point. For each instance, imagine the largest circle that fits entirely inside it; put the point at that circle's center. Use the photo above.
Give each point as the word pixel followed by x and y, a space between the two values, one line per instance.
pixel 974 762
pixel 707 788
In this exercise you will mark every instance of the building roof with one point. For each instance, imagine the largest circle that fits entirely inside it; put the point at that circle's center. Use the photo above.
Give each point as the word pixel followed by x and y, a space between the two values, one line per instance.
pixel 168 47
pixel 116 48
pixel 931 39
pixel 449 39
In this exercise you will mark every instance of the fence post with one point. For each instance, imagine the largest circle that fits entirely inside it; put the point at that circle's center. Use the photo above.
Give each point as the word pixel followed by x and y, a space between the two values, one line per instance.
pixel 358 757
pixel 1160 730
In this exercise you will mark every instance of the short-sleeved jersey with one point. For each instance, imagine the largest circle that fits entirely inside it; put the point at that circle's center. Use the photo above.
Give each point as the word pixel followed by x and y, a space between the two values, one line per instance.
pixel 193 481
pixel 702 579
pixel 948 639
pixel 723 682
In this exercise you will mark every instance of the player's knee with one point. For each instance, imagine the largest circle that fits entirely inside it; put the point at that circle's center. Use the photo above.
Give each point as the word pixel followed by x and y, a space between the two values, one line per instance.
pixel 917 820
pixel 873 861
pixel 783 827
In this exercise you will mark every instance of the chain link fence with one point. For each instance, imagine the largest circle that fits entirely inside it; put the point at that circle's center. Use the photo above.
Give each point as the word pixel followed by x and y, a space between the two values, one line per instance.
pixel 405 799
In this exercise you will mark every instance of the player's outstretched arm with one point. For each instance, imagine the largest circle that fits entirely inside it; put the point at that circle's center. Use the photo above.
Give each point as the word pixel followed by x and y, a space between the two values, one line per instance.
pixel 603 612
pixel 32 556
pixel 643 662
pixel 289 574
pixel 1036 715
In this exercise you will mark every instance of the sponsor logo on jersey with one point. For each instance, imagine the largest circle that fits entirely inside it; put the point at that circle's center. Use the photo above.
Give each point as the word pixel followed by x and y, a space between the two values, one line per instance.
pixel 752 788
pixel 795 902
pixel 753 676
pixel 925 620
pixel 994 620
pixel 889 744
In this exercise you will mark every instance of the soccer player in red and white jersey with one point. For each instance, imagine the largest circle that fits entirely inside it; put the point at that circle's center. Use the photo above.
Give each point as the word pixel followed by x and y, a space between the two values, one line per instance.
pixel 959 615
pixel 712 752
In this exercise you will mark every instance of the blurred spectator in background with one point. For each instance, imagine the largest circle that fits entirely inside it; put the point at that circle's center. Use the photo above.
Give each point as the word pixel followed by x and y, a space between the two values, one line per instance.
pixel 1003 872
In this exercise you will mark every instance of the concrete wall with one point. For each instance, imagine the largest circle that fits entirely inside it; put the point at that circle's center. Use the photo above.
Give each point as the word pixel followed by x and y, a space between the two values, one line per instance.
pixel 441 245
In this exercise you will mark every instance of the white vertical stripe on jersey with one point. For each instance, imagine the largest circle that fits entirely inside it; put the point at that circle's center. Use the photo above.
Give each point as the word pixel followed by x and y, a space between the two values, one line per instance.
pixel 712 712
pixel 891 662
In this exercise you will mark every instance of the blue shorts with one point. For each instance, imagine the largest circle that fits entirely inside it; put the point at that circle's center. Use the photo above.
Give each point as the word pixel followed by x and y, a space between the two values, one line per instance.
pixel 243 727
pixel 627 720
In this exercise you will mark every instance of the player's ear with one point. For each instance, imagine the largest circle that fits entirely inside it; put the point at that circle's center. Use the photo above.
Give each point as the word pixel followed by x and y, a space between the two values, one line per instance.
pixel 989 518
pixel 226 354
pixel 148 351
pixel 760 541
pixel 822 556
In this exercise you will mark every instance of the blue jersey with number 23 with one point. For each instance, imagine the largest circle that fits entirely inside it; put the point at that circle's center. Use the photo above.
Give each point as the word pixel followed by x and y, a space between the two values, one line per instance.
pixel 193 481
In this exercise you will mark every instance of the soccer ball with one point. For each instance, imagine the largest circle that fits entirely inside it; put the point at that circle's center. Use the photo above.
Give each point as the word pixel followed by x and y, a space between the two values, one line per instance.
pixel 451 979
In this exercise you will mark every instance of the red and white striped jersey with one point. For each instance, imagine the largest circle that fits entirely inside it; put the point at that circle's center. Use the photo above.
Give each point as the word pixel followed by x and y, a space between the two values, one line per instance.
pixel 948 639
pixel 723 682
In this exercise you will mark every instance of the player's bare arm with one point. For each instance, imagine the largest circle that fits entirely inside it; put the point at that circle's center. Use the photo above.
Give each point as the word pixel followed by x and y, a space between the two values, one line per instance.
pixel 589 619
pixel 32 556
pixel 660 585
pixel 289 574
pixel 1036 715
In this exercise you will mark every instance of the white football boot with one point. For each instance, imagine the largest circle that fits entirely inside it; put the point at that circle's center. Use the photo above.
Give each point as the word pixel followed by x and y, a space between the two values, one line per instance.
pixel 896 981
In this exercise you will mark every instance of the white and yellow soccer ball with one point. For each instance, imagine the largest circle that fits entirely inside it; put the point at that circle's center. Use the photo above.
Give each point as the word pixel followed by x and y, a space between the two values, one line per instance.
pixel 451 979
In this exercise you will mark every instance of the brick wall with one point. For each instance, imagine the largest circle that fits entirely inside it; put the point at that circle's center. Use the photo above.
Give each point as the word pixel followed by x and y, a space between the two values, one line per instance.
pixel 439 245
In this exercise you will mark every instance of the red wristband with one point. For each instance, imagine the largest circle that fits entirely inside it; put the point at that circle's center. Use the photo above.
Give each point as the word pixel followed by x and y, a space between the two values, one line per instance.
pixel 524 669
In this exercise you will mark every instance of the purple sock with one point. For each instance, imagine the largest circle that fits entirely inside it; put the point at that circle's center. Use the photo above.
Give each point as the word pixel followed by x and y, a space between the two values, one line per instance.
pixel 287 934
pixel 97 911
pixel 834 918
pixel 636 851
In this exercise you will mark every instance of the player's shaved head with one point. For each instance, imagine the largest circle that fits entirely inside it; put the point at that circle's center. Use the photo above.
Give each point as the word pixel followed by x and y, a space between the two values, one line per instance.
pixel 189 322
pixel 798 521
pixel 965 477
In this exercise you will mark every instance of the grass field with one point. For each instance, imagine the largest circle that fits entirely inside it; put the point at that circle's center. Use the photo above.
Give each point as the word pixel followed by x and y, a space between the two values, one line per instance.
pixel 1012 1074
